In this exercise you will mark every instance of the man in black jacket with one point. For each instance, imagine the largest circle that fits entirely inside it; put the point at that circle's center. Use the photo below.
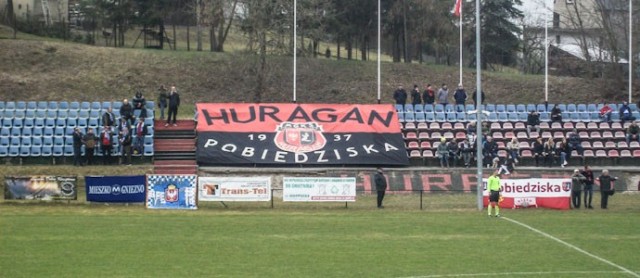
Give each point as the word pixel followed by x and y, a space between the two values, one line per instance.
pixel 381 185
pixel 108 118
pixel 77 145
pixel 606 188
pixel 174 102
pixel 400 95
pixel 140 103
pixel 533 121
pixel 126 112
pixel 588 186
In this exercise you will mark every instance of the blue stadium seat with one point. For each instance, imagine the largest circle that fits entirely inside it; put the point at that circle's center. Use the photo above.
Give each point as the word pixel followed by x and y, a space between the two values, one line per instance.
pixel 47 151
pixel 73 114
pixel 36 151
pixel 4 141
pixel 96 106
pixel 150 130
pixel 74 106
pixel 57 141
pixel 510 108
pixel 501 108
pixel 30 114
pixel 584 116
pixel 408 117
pixel 5 132
pixel 14 151
pixel 541 108
pixel 68 150
pixel 429 108
pixel 93 123
pixel 400 116
pixel 148 121
pixel 25 151
pixel 106 105
pixel 20 114
pixel 83 114
pixel 399 107
pixel 613 106
pixel 148 150
pixel 58 151
pixel 52 114
pixel 53 105
pixel 63 106
pixel 41 114
pixel 592 107
pixel 459 107
pixel 2 106
pixel 85 106
pixel 47 141
pixel 61 122
pixel 17 123
pixel 10 106
pixel 68 140
pixel 490 107
pixel 575 116
pixel 416 108
pixel 407 108
pixel 48 131
pixel 32 105
pixel 519 108
pixel 594 116
pixel 439 108
pixel 37 131
pixel 4 151
pixel 512 116
pixel 633 107
pixel 522 116
pixel 8 114
pixel 440 117
pixel 82 123
pixel 429 116
pixel 470 107
pixel 117 105
pixel 531 107
pixel 493 117
pixel 59 131
pixel 18 142
pixel 39 122
pixel 420 116
pixel 461 116
pixel 449 108
pixel 21 105
pixel 451 116
pixel 63 114
pixel 27 131
pixel 148 140
pixel 150 104
pixel 582 107
pixel 16 132
pixel 94 114
pixel 42 105
pixel 7 122
pixel 69 130
pixel 571 108
pixel 72 122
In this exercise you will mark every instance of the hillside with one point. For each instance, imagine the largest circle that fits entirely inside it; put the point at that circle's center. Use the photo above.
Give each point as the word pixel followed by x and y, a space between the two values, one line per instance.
pixel 46 70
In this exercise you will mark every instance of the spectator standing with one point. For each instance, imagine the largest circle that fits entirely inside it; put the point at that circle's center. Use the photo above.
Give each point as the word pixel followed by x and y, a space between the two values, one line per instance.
pixel 443 95
pixel 538 150
pixel 126 111
pixel 400 95
pixel 123 123
pixel 108 118
pixel 140 103
pixel 474 97
pixel 125 142
pixel 549 152
pixel 588 186
pixel 625 113
pixel 90 143
pixel 454 152
pixel 575 142
pixel 429 95
pixel 513 147
pixel 140 131
pixel 443 152
pixel 381 186
pixel 416 99
pixel 556 114
pixel 606 188
pixel 471 131
pixel 162 100
pixel 633 133
pixel 605 113
pixel 489 151
pixel 106 144
pixel 460 96
pixel 494 186
pixel 174 103
pixel 564 150
pixel 466 151
pixel 77 146
pixel 577 180
pixel 533 121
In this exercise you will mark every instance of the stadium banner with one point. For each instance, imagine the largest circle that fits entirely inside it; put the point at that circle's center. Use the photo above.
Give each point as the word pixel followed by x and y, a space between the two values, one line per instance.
pixel 307 134
pixel 234 189
pixel 523 193
pixel 115 189
pixel 41 188
pixel 171 192
pixel 316 189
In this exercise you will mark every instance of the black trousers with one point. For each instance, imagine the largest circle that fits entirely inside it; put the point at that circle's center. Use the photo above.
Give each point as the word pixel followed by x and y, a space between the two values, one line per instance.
pixel 588 195
pixel 106 155
pixel 172 111
pixel 77 155
pixel 88 155
pixel 604 199
pixel 380 197
pixel 575 198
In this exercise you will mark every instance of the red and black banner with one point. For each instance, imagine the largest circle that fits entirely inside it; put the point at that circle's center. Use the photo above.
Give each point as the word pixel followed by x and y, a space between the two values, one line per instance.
pixel 287 133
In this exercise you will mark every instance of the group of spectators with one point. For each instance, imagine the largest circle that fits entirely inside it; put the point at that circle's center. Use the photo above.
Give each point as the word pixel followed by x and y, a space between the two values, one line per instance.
pixel 430 96
pixel 127 130
pixel 583 180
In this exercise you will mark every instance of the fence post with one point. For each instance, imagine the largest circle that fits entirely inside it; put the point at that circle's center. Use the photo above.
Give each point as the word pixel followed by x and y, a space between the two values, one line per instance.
pixel 272 198
pixel 421 190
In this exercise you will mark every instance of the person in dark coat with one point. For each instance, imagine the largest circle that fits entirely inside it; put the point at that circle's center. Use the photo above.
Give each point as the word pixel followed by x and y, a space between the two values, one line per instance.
pixel 90 141
pixel 474 97
pixel 606 188
pixel 588 186
pixel 162 100
pixel 400 95
pixel 577 180
pixel 139 132
pixel 126 111
pixel 174 103
pixel 140 103
pixel 125 143
pixel 106 144
pixel 556 114
pixel 108 118
pixel 381 185
pixel 460 96
pixel 77 145
pixel 416 99
pixel 429 95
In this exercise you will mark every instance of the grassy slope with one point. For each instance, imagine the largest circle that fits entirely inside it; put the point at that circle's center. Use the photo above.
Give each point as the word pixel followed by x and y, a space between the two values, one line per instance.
pixel 53 70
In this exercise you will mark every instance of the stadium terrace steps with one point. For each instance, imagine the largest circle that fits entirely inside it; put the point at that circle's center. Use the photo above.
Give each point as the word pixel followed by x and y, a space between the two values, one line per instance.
pixel 175 148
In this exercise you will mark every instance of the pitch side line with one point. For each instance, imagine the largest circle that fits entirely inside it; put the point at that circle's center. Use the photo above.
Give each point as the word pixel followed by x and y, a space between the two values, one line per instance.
pixel 573 247
pixel 514 274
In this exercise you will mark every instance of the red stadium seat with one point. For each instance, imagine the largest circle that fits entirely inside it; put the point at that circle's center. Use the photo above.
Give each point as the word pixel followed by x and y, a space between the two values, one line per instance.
pixel 435 145
pixel 534 135
pixel 607 135
pixel 604 126
pixel 410 126
pixel 583 134
pixel 595 135
pixel 567 126
pixel 413 145
pixel 461 135
pixel 616 126
pixel 495 126
pixel 521 135
pixel 592 126
pixel 622 145
pixel 597 145
pixel 502 153
pixel 509 135
pixel 634 145
pixel 613 153
pixel 585 145
pixel 636 153
pixel 546 135
pixel 601 153
pixel 507 126
pixel 580 126
pixel 415 154
pixel 610 145
pixel 448 135
pixel 425 145
pixel 524 145
pixel 625 153
pixel 556 126
pixel 446 126
pixel 587 153
pixel 526 153
pixel 434 126
pixel 459 127
pixel 422 126
pixel 558 135
pixel 436 135
pixel 427 153
pixel 520 126
pixel 501 145
pixel 411 136
pixel 619 135
pixel 544 126
pixel 497 135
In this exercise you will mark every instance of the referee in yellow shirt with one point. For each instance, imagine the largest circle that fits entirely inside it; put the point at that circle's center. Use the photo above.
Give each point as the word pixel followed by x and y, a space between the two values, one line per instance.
pixel 493 183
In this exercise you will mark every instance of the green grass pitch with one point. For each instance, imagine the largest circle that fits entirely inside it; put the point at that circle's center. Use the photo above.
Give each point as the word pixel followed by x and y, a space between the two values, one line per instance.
pixel 446 239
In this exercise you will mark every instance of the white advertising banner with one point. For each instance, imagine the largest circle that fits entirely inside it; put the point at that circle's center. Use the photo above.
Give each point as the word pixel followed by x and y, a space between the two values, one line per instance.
pixel 310 189
pixel 234 189
pixel 518 193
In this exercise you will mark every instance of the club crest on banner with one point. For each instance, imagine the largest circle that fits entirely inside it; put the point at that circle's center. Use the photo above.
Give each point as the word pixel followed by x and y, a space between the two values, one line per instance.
pixel 299 137
pixel 171 193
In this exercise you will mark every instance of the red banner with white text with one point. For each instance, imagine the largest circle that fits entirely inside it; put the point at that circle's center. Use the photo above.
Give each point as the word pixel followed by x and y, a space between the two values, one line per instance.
pixel 527 193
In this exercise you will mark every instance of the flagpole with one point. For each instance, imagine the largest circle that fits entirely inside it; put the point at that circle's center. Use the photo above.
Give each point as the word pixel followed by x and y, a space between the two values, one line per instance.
pixel 379 21
pixel 295 47
pixel 479 188
pixel 460 25
pixel 546 54
pixel 630 49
